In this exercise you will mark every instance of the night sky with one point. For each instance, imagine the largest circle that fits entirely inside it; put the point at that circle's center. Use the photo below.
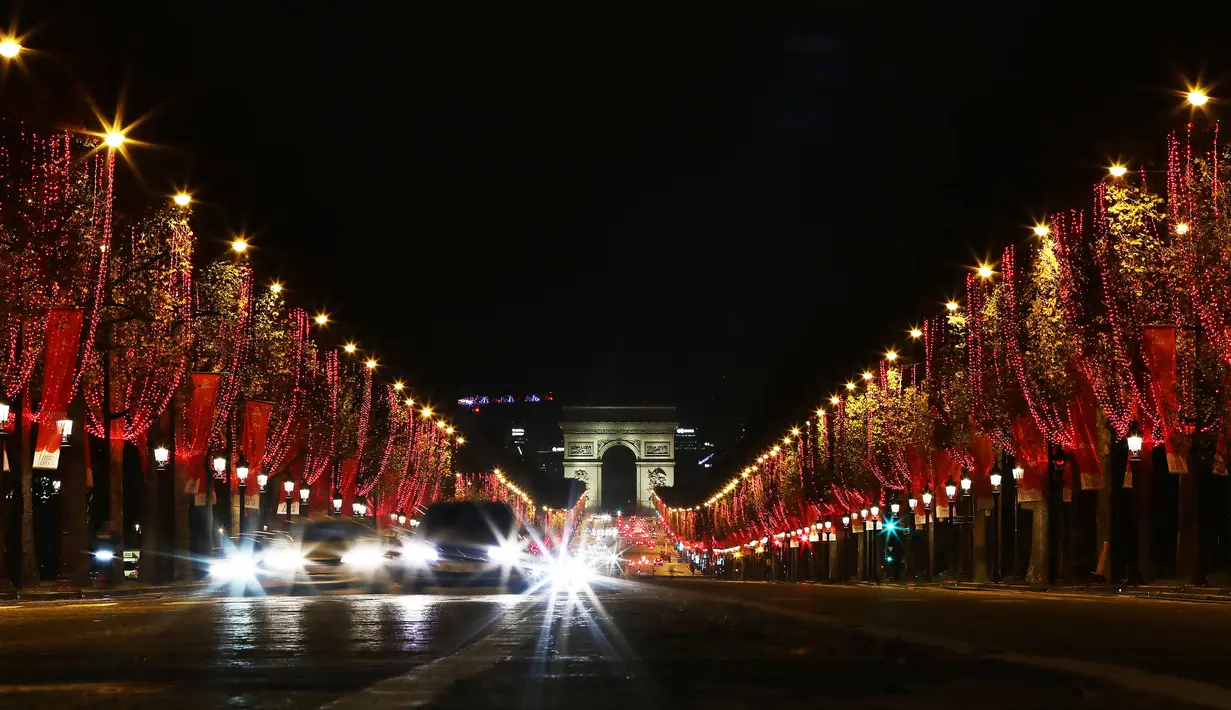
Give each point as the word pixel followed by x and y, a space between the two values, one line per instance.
pixel 732 214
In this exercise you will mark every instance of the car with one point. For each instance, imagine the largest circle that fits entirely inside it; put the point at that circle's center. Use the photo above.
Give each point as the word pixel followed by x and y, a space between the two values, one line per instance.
pixel 468 544
pixel 246 564
pixel 344 553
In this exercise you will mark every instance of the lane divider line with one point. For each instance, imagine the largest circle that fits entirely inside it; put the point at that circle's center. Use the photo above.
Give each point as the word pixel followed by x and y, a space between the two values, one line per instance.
pixel 423 684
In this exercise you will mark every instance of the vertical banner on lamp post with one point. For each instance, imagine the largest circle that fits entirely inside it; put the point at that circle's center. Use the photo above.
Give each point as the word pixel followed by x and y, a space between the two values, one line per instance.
pixel 255 436
pixel 1160 359
pixel 1030 450
pixel 350 475
pixel 63 336
pixel 1083 418
pixel 199 418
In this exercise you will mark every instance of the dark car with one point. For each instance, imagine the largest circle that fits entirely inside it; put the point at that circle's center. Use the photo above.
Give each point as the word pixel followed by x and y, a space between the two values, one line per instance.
pixel 468 544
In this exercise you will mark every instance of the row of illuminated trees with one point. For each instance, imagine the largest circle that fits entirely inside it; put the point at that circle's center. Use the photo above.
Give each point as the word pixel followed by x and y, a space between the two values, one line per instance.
pixel 1104 328
pixel 119 343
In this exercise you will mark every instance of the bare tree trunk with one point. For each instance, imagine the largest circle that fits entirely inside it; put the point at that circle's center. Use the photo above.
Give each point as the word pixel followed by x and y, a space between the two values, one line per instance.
pixel 1143 515
pixel 29 557
pixel 115 525
pixel 151 518
pixel 74 552
pixel 1037 571
pixel 183 549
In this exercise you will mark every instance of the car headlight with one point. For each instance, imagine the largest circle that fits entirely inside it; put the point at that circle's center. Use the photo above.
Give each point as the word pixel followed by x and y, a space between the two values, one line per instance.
pixel 283 559
pixel 232 568
pixel 421 553
pixel 364 557
pixel 505 554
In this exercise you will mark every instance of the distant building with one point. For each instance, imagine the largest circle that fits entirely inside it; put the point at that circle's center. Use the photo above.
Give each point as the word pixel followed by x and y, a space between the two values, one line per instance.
pixel 694 454
pixel 517 433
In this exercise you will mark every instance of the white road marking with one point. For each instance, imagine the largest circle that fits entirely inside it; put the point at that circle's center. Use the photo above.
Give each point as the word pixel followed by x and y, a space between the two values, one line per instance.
pixel 1167 686
pixel 423 684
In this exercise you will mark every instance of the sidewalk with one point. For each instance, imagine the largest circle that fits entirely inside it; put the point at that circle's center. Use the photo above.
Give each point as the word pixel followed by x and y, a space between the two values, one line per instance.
pixel 1158 590
pixel 53 591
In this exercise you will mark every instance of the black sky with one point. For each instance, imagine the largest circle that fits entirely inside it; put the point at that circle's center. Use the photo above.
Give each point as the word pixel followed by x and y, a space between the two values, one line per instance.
pixel 727 212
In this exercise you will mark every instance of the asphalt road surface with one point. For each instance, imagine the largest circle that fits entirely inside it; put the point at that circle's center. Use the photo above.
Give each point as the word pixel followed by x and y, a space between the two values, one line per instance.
pixel 661 644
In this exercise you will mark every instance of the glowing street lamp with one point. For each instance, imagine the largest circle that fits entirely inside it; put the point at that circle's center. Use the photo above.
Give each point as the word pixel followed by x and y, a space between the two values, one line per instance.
pixel 370 364
pixel 891 355
pixel 220 464
pixel 321 319
pixel 875 510
pixel 1117 171
pixel 304 493
pixel 10 48
pixel 182 199
pixel 275 288
pixel 995 478
pixel 1197 97
pixel 916 333
pixel 951 306
pixel 337 504
pixel 4 411
pixel 1135 441
pixel 289 486
pixel 895 507
pixel 239 245
pixel 114 139
pixel 66 430
pixel 349 348
pixel 161 456
pixel 241 473
pixel 966 483
pixel 985 271
pixel 262 479
pixel 1181 228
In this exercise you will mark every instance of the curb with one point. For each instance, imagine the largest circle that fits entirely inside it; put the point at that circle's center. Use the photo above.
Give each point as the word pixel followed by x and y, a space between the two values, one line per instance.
pixel 1188 594
pixel 101 593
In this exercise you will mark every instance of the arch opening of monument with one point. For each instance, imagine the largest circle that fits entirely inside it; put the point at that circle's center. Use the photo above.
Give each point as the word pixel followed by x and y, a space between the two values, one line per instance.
pixel 648 433
pixel 619 476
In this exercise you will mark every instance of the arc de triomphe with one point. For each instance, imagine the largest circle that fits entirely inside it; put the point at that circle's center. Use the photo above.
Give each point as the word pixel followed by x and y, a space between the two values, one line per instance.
pixel 649 432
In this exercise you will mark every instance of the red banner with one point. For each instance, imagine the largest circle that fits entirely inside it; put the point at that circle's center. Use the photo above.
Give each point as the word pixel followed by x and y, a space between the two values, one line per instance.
pixel 350 475
pixel 1030 453
pixel 984 454
pixel 59 366
pixel 1159 354
pixel 194 433
pixel 1083 418
pixel 255 436
pixel 944 468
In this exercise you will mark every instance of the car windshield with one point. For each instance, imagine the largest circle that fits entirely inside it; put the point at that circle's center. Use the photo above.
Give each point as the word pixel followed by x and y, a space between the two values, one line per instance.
pixel 339 531
pixel 479 523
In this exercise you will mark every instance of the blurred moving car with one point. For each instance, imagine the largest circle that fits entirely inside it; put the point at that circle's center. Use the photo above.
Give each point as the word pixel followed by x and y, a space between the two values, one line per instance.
pixel 468 544
pixel 345 552
pixel 247 563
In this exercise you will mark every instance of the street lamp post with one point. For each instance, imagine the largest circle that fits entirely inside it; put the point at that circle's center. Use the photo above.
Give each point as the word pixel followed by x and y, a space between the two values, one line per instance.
pixel 1018 474
pixel 304 493
pixel 951 493
pixel 846 533
pixel 1127 568
pixel 220 467
pixel 909 532
pixel 289 486
pixel 828 539
pixel 241 473
pixel 928 523
pixel 262 479
pixel 996 478
pixel 873 556
pixel 967 483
